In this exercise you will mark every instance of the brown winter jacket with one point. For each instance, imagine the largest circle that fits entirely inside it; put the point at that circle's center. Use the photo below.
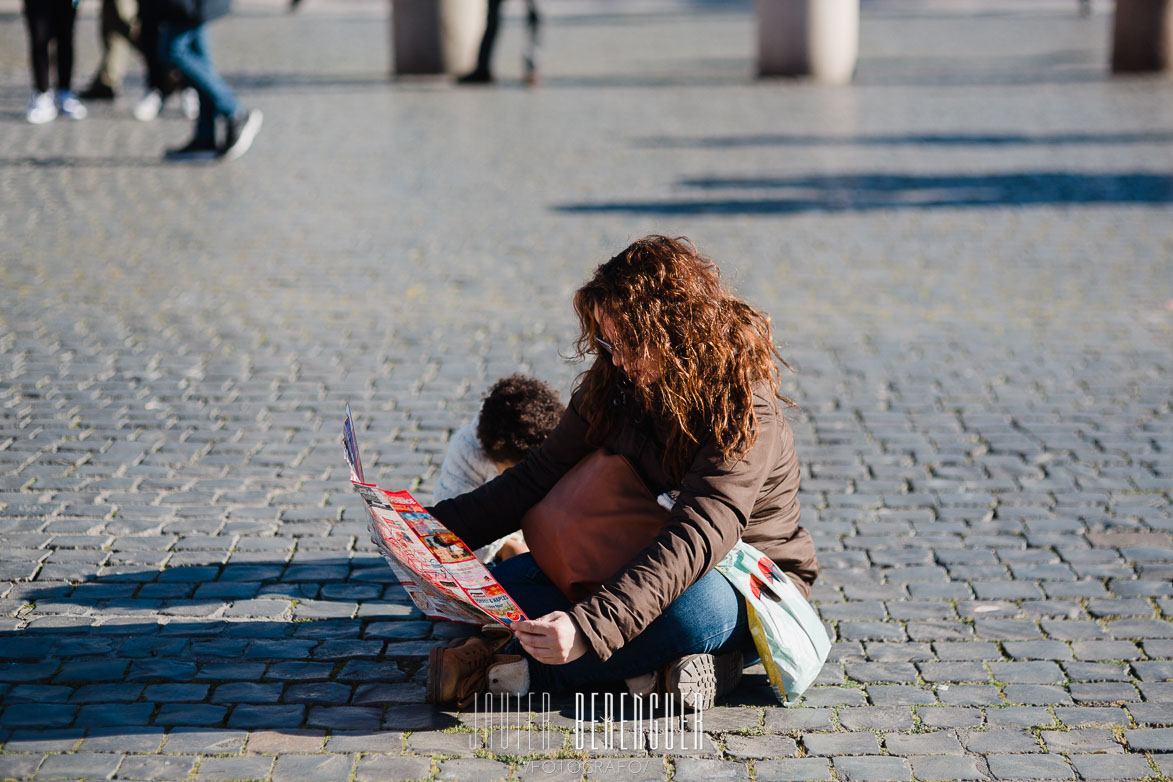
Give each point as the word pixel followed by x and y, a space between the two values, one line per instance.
pixel 753 498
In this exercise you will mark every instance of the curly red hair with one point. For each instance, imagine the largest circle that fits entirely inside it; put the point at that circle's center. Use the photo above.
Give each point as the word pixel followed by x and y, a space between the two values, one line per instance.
pixel 665 301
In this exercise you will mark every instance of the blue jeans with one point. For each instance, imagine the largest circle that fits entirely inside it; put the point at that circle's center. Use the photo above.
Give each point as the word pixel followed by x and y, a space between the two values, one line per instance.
pixel 186 48
pixel 709 617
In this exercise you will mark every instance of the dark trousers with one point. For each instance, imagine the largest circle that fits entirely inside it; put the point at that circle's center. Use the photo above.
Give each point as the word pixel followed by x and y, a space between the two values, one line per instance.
pixel 489 39
pixel 50 20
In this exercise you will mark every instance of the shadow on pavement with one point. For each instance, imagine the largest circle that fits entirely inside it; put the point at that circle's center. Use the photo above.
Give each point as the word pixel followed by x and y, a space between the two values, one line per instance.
pixel 863 192
pixel 262 646
pixel 914 139
pixel 209 652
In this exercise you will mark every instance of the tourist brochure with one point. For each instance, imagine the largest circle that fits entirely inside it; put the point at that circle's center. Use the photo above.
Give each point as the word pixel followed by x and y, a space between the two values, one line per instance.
pixel 440 574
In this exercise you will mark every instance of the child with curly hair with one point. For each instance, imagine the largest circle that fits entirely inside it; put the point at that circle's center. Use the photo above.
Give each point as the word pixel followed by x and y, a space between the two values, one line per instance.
pixel 517 415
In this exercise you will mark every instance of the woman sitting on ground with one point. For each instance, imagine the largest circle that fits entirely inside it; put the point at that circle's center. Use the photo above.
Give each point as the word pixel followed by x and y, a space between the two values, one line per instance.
pixel 684 386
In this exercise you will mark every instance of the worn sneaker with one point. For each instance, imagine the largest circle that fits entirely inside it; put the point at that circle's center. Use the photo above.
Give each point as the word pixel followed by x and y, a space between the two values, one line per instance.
pixel 41 109
pixel 148 106
pixel 699 679
pixel 70 106
pixel 193 150
pixel 189 102
pixel 241 130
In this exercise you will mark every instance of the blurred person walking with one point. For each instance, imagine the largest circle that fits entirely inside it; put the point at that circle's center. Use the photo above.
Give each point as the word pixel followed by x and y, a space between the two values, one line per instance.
pixel 483 73
pixel 51 21
pixel 184 45
pixel 121 27
pixel 117 32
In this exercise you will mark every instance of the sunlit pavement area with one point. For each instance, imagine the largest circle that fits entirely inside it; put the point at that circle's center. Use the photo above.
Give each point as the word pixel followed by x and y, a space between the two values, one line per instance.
pixel 966 255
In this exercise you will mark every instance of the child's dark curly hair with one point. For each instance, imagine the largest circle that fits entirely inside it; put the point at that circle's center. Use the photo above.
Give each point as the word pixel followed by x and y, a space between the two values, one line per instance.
pixel 518 414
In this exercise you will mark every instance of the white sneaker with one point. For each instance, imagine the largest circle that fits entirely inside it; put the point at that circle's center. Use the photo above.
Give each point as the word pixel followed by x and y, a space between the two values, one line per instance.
pixel 148 106
pixel 41 109
pixel 189 101
pixel 70 106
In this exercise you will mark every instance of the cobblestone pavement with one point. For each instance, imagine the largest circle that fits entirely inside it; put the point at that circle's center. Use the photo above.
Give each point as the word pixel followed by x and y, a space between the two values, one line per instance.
pixel 966 255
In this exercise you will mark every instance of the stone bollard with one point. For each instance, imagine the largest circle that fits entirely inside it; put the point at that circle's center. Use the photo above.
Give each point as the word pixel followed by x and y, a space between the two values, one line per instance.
pixel 1142 36
pixel 816 38
pixel 436 36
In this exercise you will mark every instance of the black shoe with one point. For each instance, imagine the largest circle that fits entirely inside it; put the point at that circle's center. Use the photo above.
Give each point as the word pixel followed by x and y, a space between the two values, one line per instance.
pixel 98 91
pixel 476 77
pixel 193 150
pixel 241 130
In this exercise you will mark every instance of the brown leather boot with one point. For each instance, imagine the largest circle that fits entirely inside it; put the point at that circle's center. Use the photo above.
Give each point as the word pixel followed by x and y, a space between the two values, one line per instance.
pixel 458 672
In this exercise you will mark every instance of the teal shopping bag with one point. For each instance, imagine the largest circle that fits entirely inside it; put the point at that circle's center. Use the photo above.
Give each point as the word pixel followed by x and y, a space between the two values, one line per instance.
pixel 787 632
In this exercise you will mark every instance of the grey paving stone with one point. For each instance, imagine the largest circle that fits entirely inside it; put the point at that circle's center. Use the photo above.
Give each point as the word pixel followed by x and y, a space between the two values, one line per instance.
pixel 190 714
pixel 833 696
pixel 968 650
pixel 876 718
pixel 19 766
pixel 1151 714
pixel 1018 717
pixel 1087 740
pixel 155 767
pixel 345 717
pixel 834 744
pixel 246 767
pixel 935 743
pixel 472 770
pixel 1081 631
pixel 882 672
pixel 313 768
pixel 267 716
pixel 30 715
pixel 873 768
pixel 416 717
pixel 1029 767
pixel 652 768
pixel 725 718
pixel 969 695
pixel 203 741
pixel 1086 716
pixel 1035 672
pixel 1157 691
pixel 1154 670
pixel 80 765
pixel 1096 672
pixel 1036 694
pixel 942 767
pixel 126 739
pixel 950 716
pixel 954 672
pixel 1111 766
pixel 699 769
pixel 377 768
pixel 60 740
pixel 1037 650
pixel 804 719
pixel 1103 692
pixel 794 770
pixel 1150 739
pixel 1005 741
pixel 434 743
pixel 899 695
pixel 759 746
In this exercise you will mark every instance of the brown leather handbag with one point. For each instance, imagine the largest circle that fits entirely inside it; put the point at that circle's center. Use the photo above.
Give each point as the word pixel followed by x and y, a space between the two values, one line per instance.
pixel 597 517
